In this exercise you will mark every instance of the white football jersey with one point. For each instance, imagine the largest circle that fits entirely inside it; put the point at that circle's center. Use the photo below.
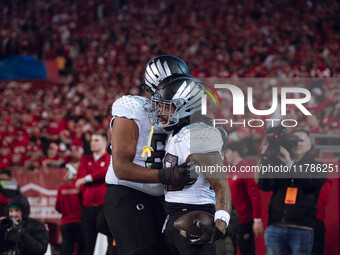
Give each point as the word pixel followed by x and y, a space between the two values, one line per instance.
pixel 194 138
pixel 133 107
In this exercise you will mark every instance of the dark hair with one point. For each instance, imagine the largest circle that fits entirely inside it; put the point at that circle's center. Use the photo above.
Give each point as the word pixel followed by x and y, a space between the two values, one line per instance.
pixel 102 134
pixel 6 171
pixel 236 146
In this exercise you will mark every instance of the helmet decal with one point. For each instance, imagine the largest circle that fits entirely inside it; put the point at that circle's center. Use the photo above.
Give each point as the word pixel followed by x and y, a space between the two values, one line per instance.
pixel 161 67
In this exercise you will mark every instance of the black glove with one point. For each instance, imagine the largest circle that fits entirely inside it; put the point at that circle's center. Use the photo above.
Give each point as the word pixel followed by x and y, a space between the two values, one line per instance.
pixel 210 234
pixel 178 175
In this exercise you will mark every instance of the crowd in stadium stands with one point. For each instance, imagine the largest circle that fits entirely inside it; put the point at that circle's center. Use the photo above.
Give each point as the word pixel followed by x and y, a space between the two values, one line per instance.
pixel 101 48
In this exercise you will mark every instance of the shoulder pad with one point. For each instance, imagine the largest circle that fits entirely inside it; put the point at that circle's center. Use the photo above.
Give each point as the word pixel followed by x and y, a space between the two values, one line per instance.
pixel 129 107
pixel 205 139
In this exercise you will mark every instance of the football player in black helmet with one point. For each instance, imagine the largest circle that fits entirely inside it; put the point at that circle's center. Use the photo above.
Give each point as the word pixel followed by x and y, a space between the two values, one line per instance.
pixel 176 99
pixel 132 207
pixel 161 67
pixel 180 97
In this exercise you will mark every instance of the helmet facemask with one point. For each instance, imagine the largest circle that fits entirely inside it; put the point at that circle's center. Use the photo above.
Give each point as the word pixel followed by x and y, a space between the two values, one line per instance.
pixel 176 98
pixel 165 113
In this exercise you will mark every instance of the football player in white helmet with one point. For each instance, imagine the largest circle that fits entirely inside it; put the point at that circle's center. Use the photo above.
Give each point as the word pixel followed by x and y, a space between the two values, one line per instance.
pixel 132 207
pixel 175 104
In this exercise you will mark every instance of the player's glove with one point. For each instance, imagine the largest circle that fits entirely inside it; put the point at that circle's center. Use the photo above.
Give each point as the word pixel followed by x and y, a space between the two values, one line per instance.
pixel 210 234
pixel 178 175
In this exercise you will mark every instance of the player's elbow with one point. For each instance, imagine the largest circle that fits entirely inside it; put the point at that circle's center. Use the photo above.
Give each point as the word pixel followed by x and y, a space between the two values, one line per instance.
pixel 120 170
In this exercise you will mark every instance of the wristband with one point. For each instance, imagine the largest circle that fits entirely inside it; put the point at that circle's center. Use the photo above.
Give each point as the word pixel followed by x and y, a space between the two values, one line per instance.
pixel 223 216
pixel 257 219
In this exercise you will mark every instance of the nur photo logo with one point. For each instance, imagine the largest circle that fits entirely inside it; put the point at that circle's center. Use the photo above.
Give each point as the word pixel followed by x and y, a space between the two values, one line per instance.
pixel 282 98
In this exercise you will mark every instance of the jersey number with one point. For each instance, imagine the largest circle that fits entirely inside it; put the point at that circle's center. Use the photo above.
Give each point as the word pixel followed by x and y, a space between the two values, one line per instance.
pixel 158 144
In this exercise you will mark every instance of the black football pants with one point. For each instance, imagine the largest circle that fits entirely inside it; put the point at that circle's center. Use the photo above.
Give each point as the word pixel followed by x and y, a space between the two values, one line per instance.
pixel 135 220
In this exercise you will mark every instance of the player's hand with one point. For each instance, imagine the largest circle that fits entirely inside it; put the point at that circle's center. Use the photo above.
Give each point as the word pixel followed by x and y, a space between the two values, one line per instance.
pixel 178 175
pixel 210 234
pixel 221 226
pixel 258 228
pixel 80 182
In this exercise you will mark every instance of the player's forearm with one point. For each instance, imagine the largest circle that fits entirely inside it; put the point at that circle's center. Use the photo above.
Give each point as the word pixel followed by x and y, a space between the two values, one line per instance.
pixel 222 194
pixel 218 181
pixel 129 171
pixel 223 203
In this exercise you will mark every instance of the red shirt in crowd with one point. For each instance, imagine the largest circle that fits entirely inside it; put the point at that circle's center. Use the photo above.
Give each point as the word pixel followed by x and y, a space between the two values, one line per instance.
pixel 5 161
pixel 246 196
pixel 3 200
pixel 46 162
pixel 323 200
pixel 68 203
pixel 93 192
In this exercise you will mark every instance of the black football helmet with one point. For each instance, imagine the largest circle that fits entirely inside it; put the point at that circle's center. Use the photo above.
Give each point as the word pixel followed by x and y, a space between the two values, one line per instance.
pixel 161 67
pixel 177 97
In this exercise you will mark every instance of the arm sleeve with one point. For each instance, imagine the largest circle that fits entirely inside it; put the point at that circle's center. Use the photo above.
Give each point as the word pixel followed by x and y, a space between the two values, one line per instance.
pixel 310 184
pixel 266 183
pixel 310 181
pixel 57 203
pixel 82 170
pixel 255 196
pixel 99 174
pixel 36 240
pixel 3 200
pixel 325 192
pixel 323 200
pixel 4 244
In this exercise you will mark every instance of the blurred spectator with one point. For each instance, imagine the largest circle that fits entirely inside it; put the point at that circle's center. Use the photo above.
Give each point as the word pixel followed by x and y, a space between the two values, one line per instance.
pixel 18 159
pixel 23 235
pixel 319 229
pixel 52 159
pixel 293 204
pixel 91 181
pixel 8 189
pixel 68 204
pixel 5 157
pixel 246 198
pixel 74 155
